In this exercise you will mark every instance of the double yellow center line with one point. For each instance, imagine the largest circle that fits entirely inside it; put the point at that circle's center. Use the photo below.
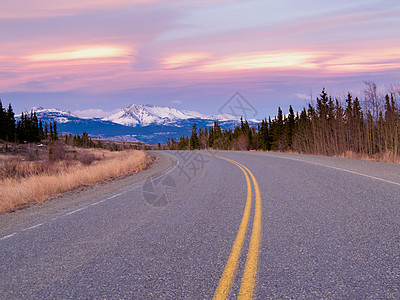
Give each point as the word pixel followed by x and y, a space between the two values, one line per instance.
pixel 248 282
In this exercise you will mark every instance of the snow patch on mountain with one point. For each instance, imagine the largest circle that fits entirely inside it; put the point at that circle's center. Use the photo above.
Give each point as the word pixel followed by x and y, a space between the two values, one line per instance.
pixel 145 123
pixel 144 115
pixel 52 114
pixel 52 111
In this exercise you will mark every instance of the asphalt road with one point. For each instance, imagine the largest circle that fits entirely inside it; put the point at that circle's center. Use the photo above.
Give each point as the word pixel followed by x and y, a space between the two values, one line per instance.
pixel 320 228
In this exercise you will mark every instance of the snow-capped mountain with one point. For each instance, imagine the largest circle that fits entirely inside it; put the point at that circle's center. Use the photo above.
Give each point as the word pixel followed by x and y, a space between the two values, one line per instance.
pixel 145 123
pixel 56 115
pixel 145 115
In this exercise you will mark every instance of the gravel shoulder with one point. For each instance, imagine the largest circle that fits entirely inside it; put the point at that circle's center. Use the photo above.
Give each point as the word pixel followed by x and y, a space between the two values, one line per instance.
pixel 85 194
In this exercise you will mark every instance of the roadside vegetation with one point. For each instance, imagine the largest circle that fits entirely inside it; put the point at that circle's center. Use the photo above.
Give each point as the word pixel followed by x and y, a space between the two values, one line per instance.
pixel 39 172
pixel 36 163
pixel 27 129
pixel 367 128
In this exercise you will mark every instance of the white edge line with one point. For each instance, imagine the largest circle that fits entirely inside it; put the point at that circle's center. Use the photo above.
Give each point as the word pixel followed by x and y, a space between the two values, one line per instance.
pixel 96 203
pixel 114 196
pixel 140 183
pixel 32 227
pixel 8 236
pixel 119 194
pixel 340 169
pixel 177 163
pixel 74 211
pixel 134 188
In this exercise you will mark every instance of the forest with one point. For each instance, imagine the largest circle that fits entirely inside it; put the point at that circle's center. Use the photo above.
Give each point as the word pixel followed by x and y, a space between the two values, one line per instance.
pixel 327 126
pixel 28 128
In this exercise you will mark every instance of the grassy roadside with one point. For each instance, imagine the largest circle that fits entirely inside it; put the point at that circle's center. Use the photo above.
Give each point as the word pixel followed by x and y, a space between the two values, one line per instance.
pixel 23 182
pixel 386 157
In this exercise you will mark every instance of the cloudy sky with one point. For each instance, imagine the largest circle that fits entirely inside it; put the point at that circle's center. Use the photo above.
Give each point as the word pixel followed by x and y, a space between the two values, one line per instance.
pixel 94 56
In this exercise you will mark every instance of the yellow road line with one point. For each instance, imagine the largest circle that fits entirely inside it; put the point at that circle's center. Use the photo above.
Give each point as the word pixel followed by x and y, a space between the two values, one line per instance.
pixel 248 283
pixel 228 276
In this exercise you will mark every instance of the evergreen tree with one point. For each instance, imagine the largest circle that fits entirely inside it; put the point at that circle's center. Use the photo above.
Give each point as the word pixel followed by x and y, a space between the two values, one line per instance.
pixel 290 127
pixel 51 133
pixel 35 128
pixel 194 139
pixel 11 131
pixel 46 131
pixel 41 131
pixel 183 143
pixel 55 133
pixel 85 139
pixel 3 122
pixel 277 131
pixel 264 135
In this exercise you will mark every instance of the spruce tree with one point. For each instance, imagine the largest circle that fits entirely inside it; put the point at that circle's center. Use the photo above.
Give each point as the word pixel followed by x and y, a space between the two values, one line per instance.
pixel 46 130
pixel 35 129
pixel 11 132
pixel 55 132
pixel 41 131
pixel 290 127
pixel 194 139
pixel 182 145
pixel 51 134
pixel 3 122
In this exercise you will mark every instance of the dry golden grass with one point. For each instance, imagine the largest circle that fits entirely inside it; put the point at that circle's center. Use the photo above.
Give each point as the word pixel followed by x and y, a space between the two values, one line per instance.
pixel 354 155
pixel 388 156
pixel 62 177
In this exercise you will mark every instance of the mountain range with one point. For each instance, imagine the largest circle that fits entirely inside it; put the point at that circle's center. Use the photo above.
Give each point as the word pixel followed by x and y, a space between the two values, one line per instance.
pixel 141 123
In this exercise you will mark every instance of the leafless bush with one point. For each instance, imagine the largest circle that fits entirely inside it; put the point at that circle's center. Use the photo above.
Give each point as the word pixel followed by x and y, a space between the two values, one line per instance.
pixel 243 142
pixel 389 156
pixel 87 158
pixel 17 168
pixel 32 153
pixel 57 151
pixel 8 169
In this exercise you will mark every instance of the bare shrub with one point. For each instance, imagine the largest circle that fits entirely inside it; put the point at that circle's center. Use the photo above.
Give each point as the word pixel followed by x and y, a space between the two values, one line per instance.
pixel 9 168
pixel 87 158
pixel 389 156
pixel 57 151
pixel 32 153
pixel 243 142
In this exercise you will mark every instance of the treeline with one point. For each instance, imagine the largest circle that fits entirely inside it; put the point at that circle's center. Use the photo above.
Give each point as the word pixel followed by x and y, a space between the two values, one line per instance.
pixel 328 126
pixel 28 129
pixel 83 141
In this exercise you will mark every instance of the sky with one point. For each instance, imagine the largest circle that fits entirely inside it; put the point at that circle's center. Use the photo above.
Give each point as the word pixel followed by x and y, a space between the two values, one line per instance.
pixel 94 57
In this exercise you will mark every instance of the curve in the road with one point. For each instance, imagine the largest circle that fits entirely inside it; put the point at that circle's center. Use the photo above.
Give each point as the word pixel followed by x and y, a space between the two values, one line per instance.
pixel 248 282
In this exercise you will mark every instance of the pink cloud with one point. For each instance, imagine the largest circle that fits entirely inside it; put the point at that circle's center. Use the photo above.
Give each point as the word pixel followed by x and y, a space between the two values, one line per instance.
pixel 107 52
pixel 50 8
pixel 183 60
pixel 82 53
pixel 259 60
